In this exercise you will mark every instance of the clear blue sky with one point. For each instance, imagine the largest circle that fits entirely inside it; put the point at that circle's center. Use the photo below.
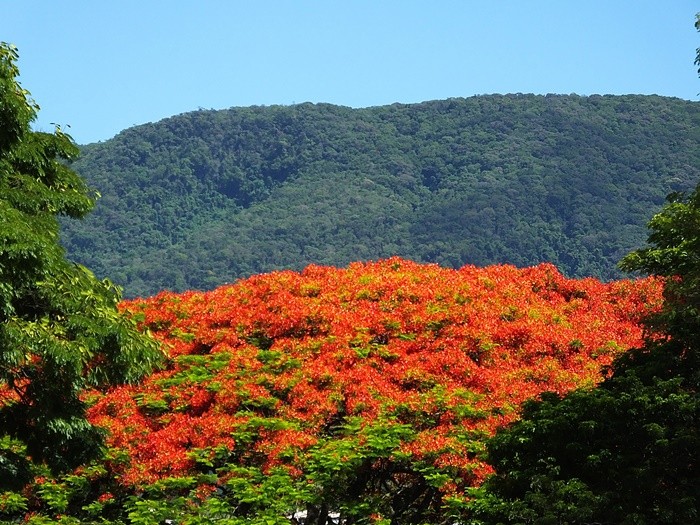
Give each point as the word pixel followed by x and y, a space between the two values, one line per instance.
pixel 102 66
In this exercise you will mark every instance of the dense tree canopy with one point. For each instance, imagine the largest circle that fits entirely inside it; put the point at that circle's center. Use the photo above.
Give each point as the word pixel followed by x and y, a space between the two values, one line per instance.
pixel 203 198
pixel 60 330
pixel 366 392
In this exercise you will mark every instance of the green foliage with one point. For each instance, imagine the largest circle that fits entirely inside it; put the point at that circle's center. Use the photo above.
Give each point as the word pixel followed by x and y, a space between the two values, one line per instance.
pixel 60 330
pixel 697 52
pixel 206 197
pixel 357 474
pixel 626 452
pixel 361 472
pixel 675 254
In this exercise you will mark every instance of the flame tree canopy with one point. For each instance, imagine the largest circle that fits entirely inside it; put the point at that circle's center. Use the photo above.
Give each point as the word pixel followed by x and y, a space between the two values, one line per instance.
pixel 367 392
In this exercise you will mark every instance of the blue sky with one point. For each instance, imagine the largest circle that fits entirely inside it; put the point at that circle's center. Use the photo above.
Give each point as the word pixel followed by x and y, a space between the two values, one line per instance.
pixel 102 66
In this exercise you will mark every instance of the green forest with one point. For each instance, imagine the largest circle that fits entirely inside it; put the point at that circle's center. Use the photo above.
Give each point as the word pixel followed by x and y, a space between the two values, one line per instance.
pixel 207 197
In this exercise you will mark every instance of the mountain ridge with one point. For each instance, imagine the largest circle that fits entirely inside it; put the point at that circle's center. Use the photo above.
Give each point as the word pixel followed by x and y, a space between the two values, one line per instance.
pixel 209 196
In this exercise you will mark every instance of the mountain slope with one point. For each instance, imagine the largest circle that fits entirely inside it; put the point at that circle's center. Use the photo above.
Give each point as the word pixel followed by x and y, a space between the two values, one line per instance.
pixel 210 196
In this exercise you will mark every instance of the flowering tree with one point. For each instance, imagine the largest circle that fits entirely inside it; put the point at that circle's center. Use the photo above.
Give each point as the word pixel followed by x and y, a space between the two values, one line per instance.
pixel 364 393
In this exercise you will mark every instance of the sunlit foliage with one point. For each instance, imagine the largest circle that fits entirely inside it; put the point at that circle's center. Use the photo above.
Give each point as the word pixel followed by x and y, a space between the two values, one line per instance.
pixel 367 391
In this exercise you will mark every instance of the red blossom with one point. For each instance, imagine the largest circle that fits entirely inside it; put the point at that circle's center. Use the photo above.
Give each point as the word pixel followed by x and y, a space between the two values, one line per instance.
pixel 450 352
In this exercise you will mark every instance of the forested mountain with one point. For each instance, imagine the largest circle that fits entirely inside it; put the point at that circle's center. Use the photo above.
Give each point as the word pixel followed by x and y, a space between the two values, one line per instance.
pixel 209 196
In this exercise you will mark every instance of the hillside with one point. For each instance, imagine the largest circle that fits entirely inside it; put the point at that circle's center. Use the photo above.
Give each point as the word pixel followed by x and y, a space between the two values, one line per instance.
pixel 204 198
pixel 368 391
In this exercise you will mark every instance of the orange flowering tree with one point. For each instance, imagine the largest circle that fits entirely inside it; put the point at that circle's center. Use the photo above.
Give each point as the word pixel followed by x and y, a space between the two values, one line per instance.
pixel 362 394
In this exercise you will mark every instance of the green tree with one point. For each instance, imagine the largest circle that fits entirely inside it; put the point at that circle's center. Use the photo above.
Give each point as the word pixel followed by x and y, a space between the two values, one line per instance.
pixel 697 51
pixel 60 330
pixel 626 452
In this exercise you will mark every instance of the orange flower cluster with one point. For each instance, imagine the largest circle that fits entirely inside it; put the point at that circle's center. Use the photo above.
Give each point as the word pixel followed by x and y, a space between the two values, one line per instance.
pixel 263 370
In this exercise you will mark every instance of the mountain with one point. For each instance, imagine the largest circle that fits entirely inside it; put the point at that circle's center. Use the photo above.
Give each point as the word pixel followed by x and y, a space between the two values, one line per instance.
pixel 207 197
